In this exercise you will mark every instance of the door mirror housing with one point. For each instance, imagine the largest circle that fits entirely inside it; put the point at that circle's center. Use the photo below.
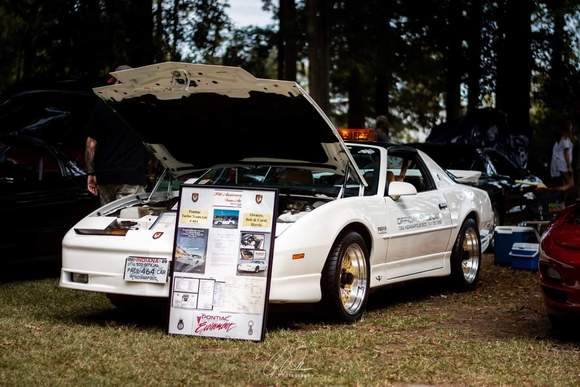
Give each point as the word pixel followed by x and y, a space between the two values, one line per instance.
pixel 400 188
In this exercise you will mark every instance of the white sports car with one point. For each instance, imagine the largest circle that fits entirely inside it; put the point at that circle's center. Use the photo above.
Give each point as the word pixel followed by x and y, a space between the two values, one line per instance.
pixel 351 217
pixel 255 266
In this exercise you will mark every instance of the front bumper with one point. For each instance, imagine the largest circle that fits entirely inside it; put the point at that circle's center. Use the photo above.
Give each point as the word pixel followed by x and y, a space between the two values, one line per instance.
pixel 561 296
pixel 102 259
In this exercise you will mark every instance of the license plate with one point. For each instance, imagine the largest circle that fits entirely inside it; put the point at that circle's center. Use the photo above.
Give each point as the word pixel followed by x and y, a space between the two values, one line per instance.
pixel 146 269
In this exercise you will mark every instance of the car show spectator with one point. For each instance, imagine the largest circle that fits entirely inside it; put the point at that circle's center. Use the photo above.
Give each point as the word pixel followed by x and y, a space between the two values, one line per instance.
pixel 561 170
pixel 382 129
pixel 114 155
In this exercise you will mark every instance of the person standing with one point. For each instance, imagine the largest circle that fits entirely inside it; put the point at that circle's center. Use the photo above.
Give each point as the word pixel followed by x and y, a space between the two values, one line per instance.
pixel 115 156
pixel 382 129
pixel 561 165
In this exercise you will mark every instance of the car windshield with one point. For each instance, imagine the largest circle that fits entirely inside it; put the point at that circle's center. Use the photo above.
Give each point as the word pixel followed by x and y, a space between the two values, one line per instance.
pixel 454 158
pixel 293 179
pixel 502 165
pixel 368 161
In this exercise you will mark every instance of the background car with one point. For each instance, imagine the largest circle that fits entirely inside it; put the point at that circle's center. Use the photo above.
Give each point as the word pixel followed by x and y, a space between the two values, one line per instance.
pixel 560 268
pixel 42 193
pixel 505 182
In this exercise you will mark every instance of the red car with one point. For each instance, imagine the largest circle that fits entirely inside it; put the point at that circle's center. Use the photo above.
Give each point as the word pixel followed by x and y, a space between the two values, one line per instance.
pixel 560 267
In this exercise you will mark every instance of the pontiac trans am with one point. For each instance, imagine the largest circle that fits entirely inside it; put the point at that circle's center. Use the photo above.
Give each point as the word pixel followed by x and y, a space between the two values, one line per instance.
pixel 350 217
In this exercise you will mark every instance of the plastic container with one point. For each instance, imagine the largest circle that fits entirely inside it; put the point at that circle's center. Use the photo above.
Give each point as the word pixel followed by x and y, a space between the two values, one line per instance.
pixel 525 256
pixel 506 236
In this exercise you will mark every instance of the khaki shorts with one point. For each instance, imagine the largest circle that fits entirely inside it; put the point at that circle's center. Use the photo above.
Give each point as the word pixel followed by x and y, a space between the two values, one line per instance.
pixel 112 192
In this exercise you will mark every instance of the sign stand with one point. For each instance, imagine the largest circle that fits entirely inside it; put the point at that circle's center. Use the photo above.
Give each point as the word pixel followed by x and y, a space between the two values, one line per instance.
pixel 222 262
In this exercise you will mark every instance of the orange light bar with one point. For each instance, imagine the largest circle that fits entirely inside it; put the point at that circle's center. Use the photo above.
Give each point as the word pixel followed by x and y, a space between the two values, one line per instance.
pixel 298 256
pixel 360 134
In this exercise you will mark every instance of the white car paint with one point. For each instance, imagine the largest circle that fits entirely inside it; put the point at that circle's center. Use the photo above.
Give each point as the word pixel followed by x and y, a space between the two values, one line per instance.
pixel 396 254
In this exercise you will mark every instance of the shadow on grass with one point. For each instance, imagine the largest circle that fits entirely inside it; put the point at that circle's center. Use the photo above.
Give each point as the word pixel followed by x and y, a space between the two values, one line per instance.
pixel 29 270
pixel 149 318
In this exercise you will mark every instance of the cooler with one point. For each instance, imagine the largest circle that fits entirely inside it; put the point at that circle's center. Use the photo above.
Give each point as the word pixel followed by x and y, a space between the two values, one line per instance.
pixel 525 256
pixel 506 236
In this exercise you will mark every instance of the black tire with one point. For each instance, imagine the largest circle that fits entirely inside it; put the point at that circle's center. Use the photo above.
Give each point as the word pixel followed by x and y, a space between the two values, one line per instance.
pixel 460 280
pixel 257 269
pixel 334 279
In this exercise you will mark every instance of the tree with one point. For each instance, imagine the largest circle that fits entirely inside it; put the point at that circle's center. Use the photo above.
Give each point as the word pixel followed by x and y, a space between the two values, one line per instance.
pixel 454 60
pixel 514 64
pixel 318 51
pixel 287 40
pixel 474 42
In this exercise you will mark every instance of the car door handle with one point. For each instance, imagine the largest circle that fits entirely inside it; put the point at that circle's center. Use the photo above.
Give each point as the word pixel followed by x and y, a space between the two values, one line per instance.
pixel 442 206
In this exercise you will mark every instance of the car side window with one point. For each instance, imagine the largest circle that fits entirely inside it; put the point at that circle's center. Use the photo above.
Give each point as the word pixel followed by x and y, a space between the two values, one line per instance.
pixel 407 168
pixel 26 163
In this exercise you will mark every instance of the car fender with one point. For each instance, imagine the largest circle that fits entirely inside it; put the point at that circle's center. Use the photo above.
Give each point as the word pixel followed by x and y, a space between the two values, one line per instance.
pixel 315 233
pixel 464 201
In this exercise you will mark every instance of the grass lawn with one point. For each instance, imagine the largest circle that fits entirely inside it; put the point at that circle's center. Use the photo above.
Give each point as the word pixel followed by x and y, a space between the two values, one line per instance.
pixel 417 333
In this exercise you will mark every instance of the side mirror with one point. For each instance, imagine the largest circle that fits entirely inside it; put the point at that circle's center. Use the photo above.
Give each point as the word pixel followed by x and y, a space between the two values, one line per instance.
pixel 400 188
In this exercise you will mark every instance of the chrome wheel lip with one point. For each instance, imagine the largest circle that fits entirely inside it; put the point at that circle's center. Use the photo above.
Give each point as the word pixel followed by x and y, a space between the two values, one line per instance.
pixel 471 255
pixel 354 271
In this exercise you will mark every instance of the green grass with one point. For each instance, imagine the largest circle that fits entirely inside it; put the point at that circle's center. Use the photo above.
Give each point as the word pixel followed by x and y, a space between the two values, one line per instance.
pixel 417 333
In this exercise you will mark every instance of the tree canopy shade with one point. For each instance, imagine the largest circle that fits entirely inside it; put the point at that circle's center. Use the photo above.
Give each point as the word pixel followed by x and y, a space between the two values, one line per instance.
pixel 419 63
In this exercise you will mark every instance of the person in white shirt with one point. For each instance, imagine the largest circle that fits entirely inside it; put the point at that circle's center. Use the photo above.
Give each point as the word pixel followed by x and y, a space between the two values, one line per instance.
pixel 561 165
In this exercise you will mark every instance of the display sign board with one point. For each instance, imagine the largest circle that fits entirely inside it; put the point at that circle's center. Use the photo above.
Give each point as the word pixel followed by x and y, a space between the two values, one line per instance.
pixel 222 255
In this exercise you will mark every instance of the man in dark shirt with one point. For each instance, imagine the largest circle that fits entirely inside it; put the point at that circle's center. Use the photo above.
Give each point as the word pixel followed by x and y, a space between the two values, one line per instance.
pixel 114 155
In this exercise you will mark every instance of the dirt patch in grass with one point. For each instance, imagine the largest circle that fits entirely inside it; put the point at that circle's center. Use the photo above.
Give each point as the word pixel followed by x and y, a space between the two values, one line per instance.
pixel 420 332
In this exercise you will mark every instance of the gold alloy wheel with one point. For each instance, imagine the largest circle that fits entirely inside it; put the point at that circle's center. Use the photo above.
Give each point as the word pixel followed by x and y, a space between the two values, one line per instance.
pixel 353 278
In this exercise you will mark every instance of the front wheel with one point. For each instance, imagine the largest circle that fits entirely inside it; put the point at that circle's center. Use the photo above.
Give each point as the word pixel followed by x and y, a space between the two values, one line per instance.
pixel 346 279
pixel 466 257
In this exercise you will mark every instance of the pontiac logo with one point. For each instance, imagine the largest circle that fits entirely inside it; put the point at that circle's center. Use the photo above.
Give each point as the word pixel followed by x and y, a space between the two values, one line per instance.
pixel 259 198
pixel 194 197
pixel 157 235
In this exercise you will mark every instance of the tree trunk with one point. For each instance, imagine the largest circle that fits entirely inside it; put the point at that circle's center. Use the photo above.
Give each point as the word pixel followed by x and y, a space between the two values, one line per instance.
pixel 175 32
pixel 383 66
pixel 159 32
pixel 318 52
pixel 287 50
pixel 514 66
pixel 356 116
pixel 556 88
pixel 474 45
pixel 453 82
pixel 140 31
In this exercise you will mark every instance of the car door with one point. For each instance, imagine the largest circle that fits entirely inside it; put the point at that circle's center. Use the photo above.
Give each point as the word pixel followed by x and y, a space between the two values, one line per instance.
pixel 419 226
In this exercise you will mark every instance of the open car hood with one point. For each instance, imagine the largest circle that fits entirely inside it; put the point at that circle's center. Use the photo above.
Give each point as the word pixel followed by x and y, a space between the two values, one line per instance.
pixel 199 116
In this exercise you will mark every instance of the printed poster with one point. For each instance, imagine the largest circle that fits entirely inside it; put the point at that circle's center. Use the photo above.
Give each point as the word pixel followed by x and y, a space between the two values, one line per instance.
pixel 222 262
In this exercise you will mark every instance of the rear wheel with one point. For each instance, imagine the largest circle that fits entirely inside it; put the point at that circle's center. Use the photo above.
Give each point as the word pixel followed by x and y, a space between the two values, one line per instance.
pixel 345 279
pixel 466 257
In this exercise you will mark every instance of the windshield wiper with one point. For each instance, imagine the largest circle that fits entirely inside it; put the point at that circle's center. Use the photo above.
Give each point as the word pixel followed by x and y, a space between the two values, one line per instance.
pixel 156 187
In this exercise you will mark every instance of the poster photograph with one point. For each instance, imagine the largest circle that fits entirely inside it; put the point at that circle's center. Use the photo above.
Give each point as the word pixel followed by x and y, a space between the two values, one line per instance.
pixel 190 250
pixel 253 259
pixel 225 218
pixel 222 262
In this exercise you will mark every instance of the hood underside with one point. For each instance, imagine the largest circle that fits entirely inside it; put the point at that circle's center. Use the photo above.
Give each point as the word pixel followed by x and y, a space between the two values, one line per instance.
pixel 200 116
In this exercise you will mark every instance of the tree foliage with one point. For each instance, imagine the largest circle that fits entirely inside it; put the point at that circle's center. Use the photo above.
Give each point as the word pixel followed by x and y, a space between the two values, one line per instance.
pixel 417 62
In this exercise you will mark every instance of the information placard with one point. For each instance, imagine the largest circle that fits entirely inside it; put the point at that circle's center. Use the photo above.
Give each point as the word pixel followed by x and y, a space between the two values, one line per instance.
pixel 222 256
